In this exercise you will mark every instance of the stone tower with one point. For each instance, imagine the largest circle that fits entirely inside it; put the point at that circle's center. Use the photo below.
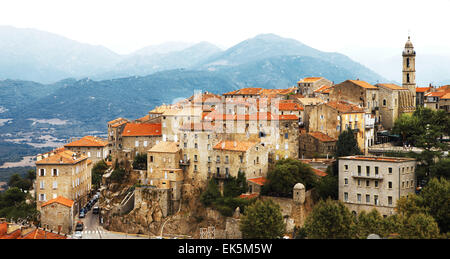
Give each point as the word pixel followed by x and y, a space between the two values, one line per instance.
pixel 409 69
pixel 299 193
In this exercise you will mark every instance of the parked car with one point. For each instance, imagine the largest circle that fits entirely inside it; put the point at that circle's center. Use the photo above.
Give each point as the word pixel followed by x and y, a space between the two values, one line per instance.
pixel 77 235
pixel 81 214
pixel 95 210
pixel 79 226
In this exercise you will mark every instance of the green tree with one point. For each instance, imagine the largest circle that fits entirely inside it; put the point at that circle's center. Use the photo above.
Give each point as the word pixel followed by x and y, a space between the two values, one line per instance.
pixel 369 223
pixel 285 175
pixel 140 161
pixel 17 181
pixel 211 194
pixel 441 169
pixel 419 226
pixel 330 220
pixel 327 187
pixel 406 126
pixel 118 174
pixel 97 172
pixel 347 145
pixel 436 197
pixel 235 186
pixel 262 220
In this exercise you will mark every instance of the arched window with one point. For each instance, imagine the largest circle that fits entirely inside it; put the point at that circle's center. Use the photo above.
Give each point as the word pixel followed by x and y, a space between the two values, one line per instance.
pixel 384 102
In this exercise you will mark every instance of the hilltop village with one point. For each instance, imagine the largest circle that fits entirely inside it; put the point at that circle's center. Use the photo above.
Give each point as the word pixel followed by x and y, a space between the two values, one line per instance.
pixel 166 158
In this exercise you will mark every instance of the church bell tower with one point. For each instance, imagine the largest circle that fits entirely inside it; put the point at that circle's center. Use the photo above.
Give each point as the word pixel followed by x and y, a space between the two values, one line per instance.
pixel 409 68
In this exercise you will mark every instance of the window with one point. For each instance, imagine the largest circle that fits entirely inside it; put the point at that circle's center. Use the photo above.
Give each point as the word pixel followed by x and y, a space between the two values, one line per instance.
pixel 55 185
pixel 185 145
pixel 151 159
pixel 54 172
pixel 41 172
pixel 389 200
pixel 257 159
pixel 345 180
pixel 390 185
pixel 145 143
pixel 41 185
pixel 241 158
pixel 136 143
pixel 195 145
pixel 218 159
pixel 345 196
pixel 209 159
pixel 195 158
pixel 346 167
pixel 359 182
pixel 368 170
pixel 384 102
pixel 195 167
pixel 42 197
pixel 359 170
pixel 376 170
pixel 226 160
pixel 407 78
pixel 286 135
pixel 390 170
pixel 358 197
pixel 376 184
pixel 367 198
pixel 367 183
pixel 375 199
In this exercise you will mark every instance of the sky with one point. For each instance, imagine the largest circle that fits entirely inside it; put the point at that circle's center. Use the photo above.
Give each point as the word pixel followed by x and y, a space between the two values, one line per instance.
pixel 342 26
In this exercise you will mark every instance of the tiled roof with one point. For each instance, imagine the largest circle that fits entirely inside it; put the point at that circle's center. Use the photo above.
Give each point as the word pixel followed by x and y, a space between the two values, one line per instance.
pixel 248 196
pixel 319 172
pixel 422 89
pixel 259 181
pixel 289 106
pixel 344 107
pixel 165 147
pixel 446 96
pixel 322 88
pixel 321 136
pixel 117 122
pixel 142 129
pixel 42 234
pixel 61 200
pixel 309 79
pixel 88 141
pixel 445 88
pixel 245 91
pixel 310 101
pixel 435 94
pixel 143 119
pixel 61 156
pixel 393 86
pixel 363 84
pixel 241 146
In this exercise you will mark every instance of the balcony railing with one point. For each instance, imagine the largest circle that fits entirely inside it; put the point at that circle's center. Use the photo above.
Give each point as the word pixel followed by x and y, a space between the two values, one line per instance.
pixel 184 162
pixel 374 176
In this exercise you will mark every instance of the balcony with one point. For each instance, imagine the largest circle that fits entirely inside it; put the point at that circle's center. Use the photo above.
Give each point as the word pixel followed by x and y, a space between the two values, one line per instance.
pixel 221 176
pixel 184 162
pixel 372 176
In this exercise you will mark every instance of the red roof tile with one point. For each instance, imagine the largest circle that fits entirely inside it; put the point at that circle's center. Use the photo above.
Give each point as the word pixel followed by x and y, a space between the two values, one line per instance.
pixel 319 172
pixel 259 181
pixel 422 89
pixel 241 146
pixel 321 136
pixel 88 141
pixel 344 107
pixel 363 84
pixel 142 129
pixel 61 200
pixel 248 196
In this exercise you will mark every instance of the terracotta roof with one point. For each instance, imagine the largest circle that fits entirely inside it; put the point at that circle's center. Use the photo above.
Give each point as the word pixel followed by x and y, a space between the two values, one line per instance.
pixel 363 84
pixel 165 147
pixel 245 91
pixel 259 181
pixel 289 106
pixel 143 119
pixel 322 88
pixel 446 96
pixel 288 117
pixel 319 172
pixel 142 129
pixel 435 94
pixel 344 107
pixel 445 88
pixel 422 89
pixel 310 101
pixel 248 196
pixel 61 200
pixel 200 126
pixel 61 156
pixel 392 86
pixel 241 146
pixel 309 79
pixel 321 136
pixel 88 141
pixel 117 122
pixel 4 230
pixel 42 234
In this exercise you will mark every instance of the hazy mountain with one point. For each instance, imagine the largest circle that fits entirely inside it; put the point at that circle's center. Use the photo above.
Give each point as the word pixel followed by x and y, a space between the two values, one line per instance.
pixel 34 55
pixel 265 46
pixel 140 64
pixel 163 48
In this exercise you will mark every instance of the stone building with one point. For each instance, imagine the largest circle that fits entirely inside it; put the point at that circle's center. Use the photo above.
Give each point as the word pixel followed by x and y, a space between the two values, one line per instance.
pixel 232 157
pixel 359 93
pixel 432 100
pixel 333 118
pixel 164 170
pixel 394 101
pixel 58 214
pixel 420 95
pixel 96 149
pixel 140 137
pixel 63 173
pixel 444 102
pixel 316 144
pixel 367 182
pixel 115 128
pixel 308 85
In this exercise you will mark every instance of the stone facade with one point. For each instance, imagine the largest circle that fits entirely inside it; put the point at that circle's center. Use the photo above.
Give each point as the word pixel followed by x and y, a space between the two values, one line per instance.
pixel 308 85
pixel 96 149
pixel 409 68
pixel 63 173
pixel 367 182
pixel 57 215
pixel 316 144
pixel 394 101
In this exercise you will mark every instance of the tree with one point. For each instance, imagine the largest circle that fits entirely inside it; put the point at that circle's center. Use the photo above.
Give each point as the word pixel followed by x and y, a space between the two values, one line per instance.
pixel 285 175
pixel 235 186
pixel 436 197
pixel 369 223
pixel 419 226
pixel 330 220
pixel 441 169
pixel 211 194
pixel 327 187
pixel 118 174
pixel 97 172
pixel 140 161
pixel 262 220
pixel 17 181
pixel 347 144
pixel 406 126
